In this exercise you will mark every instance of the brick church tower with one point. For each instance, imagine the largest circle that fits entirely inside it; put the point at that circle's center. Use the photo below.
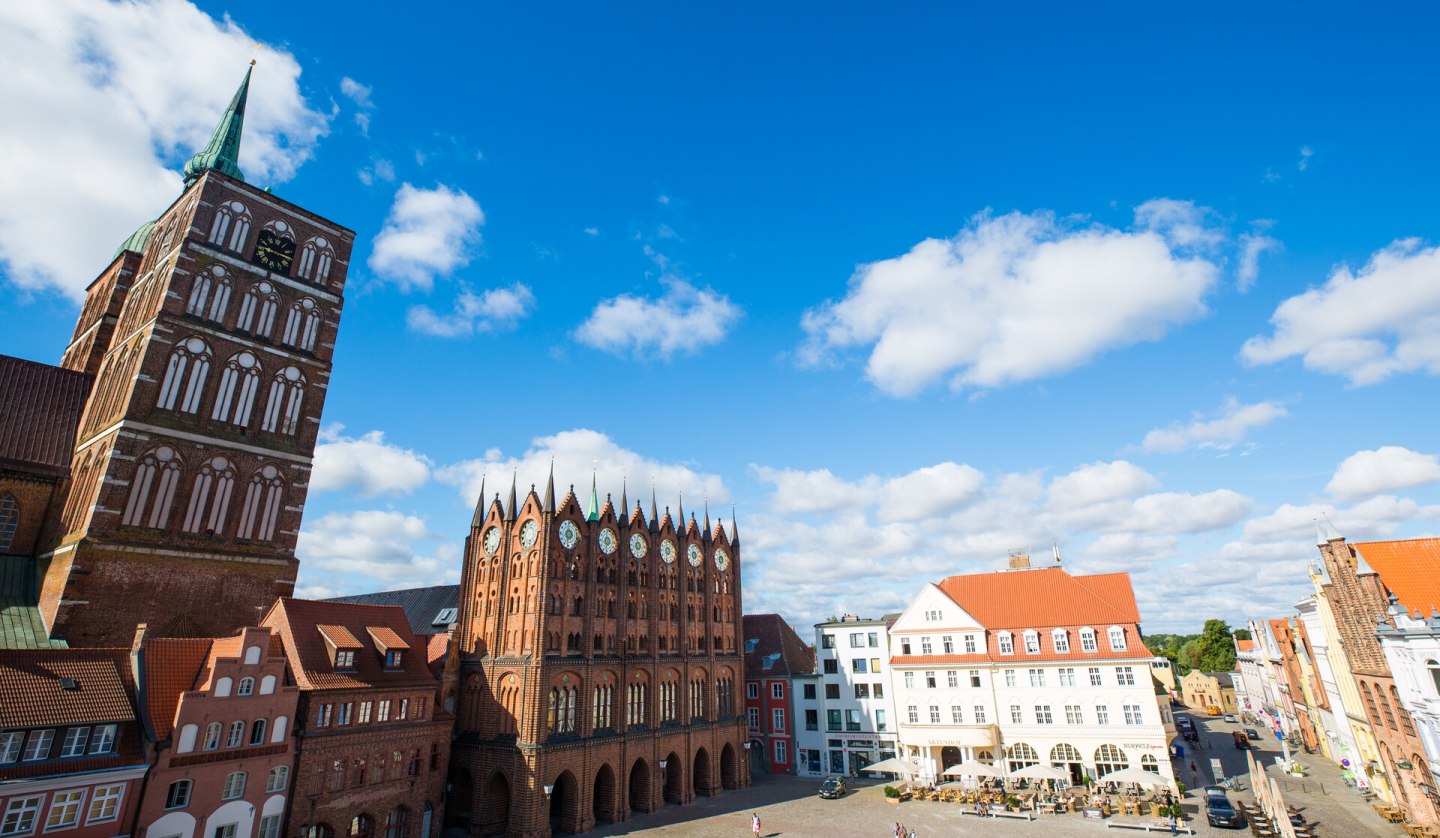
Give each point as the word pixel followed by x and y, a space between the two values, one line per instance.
pixel 210 337
pixel 598 665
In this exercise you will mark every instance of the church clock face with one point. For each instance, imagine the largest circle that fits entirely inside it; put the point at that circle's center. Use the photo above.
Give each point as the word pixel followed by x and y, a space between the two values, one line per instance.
pixel 528 534
pixel 722 560
pixel 694 555
pixel 607 541
pixel 667 551
pixel 492 540
pixel 569 535
pixel 637 546
pixel 273 252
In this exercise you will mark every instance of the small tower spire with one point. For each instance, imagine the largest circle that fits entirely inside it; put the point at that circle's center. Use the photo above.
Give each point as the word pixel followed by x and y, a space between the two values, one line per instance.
pixel 734 528
pixel 680 525
pixel 593 513
pixel 654 510
pixel 222 153
pixel 707 514
pixel 479 506
pixel 624 494
pixel 550 488
pixel 514 508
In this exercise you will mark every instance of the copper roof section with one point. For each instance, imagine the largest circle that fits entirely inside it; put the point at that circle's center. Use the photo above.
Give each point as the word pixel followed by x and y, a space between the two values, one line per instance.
pixel 1410 569
pixel 40 409
pixel 34 694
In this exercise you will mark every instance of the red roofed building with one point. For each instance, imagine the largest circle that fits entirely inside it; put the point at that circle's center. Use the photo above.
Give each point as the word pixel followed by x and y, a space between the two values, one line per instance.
pixel 221 711
pixel 1027 666
pixel 774 656
pixel 72 754
pixel 373 741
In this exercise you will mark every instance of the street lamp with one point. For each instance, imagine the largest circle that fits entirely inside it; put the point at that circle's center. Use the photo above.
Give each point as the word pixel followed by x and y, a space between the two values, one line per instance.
pixel 549 787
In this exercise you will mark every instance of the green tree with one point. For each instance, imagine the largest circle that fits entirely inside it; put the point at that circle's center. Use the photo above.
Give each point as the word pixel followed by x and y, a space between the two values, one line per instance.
pixel 1242 634
pixel 1215 647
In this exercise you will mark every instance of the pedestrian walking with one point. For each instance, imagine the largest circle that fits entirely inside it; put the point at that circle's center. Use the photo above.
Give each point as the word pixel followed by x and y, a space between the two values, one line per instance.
pixel 755 824
pixel 912 834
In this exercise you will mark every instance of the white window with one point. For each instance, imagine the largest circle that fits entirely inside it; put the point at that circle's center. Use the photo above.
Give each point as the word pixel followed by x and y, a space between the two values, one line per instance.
pixel 1067 676
pixel 777 720
pixel 279 779
pixel 153 489
pixel 282 406
pixel 909 680
pixel 257 309
pixel 237 735
pixel 1007 643
pixel 20 815
pixel 979 714
pixel 212 736
pixel 208 283
pixel 753 717
pixel 257 732
pixel 1125 676
pixel 1132 714
pixel 947 643
pixel 228 215
pixel 969 644
pixel 1087 640
pixel 208 507
pixel 1009 677
pixel 777 690
pixel 75 740
pixel 1073 715
pixel 857 640
pixel 238 385
pixel 929 680
pixel 65 809
pixel 925 647
pixel 382 711
pixel 261 510
pixel 39 745
pixel 781 754
pixel 316 255
pixel 270 827
pixel 752 690
pixel 364 716
pixel 1042 715
pixel 1102 714
pixel 974 678
pixel 1117 638
pixel 343 713
pixel 178 795
pixel 105 803
pixel 934 714
pixel 10 743
pixel 1094 676
pixel 302 324
pixel 234 786
pixel 344 658
pixel 956 717
pixel 952 678
pixel 913 714
pixel 1061 639
pixel 103 740
pixel 226 831
pixel 1015 716
pixel 1032 642
pixel 1037 677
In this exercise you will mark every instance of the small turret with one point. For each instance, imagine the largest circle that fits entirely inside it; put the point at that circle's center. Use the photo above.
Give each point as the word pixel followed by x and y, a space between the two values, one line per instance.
pixel 514 507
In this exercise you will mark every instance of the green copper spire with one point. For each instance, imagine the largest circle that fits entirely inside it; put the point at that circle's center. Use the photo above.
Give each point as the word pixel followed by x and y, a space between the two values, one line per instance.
pixel 223 152
pixel 593 513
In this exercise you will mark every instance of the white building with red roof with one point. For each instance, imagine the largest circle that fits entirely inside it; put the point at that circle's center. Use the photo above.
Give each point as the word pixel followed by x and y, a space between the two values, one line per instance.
pixel 1026 666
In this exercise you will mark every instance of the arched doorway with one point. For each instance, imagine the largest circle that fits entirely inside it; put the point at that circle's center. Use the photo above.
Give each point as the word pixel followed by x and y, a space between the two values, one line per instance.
pixel 640 788
pixel 495 817
pixel 564 804
pixel 674 779
pixel 700 772
pixel 605 805
pixel 728 778
pixel 949 755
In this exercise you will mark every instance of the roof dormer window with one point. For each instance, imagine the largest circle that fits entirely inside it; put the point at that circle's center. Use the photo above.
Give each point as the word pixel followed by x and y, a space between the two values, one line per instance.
pixel 1032 642
pixel 389 644
pixel 1007 643
pixel 392 659
pixel 1087 640
pixel 1117 639
pixel 341 644
pixel 344 658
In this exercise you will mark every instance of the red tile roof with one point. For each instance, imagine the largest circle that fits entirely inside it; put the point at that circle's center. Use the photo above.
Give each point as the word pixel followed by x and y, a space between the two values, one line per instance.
pixel 776 642
pixel 170 666
pixel 299 622
pixel 386 638
pixel 31 694
pixel 40 409
pixel 340 637
pixel 1044 598
pixel 1244 645
pixel 1410 569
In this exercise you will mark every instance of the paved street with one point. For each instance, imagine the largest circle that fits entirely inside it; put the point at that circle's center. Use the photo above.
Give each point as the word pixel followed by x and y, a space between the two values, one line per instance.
pixel 789 808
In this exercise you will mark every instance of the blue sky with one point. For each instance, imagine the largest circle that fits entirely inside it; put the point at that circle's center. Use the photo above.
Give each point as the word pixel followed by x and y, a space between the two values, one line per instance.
pixel 910 287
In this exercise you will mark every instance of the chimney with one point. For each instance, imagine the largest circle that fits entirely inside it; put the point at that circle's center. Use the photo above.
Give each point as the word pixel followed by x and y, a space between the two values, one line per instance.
pixel 1019 561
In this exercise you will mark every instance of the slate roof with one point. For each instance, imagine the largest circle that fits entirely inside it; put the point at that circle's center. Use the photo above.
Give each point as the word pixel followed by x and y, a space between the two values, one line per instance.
pixel 40 409
pixel 31 694
pixel 1410 569
pixel 298 623
pixel 422 605
pixel 775 643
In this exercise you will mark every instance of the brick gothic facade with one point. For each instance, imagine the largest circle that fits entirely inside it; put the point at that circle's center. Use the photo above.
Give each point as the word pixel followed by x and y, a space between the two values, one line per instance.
pixel 1360 602
pixel 210 337
pixel 593 650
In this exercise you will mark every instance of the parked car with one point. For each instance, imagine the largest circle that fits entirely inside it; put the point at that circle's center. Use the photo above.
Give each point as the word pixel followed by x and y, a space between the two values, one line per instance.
pixel 833 788
pixel 1252 734
pixel 1230 717
pixel 1219 811
pixel 1187 729
pixel 1242 742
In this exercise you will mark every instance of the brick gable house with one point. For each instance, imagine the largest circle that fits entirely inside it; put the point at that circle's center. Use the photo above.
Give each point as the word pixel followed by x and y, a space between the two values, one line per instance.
pixel 774 653
pixel 373 740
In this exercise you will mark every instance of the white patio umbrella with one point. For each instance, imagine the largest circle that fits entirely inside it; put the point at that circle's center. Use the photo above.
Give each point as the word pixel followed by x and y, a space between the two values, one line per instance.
pixel 973 768
pixel 892 766
pixel 1039 772
pixel 1138 776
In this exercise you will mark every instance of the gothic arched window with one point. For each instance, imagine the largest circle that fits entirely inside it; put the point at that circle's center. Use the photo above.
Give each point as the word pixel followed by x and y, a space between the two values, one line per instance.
pixel 192 355
pixel 9 521
pixel 233 219
pixel 237 388
pixel 153 489
pixel 211 286
pixel 302 325
pixel 315 260
pixel 210 497
pixel 199 294
pixel 261 509
pixel 257 309
pixel 282 407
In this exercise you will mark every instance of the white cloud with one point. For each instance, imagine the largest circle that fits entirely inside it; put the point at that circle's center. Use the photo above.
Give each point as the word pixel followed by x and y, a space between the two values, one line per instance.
pixel 357 92
pixel 1368 473
pixel 429 233
pixel 814 491
pixel 1018 297
pixel 1098 483
pixel 1251 246
pixel 684 319
pixel 574 454
pixel 367 464
pixel 360 552
pixel 592 231
pixel 1365 326
pixel 98 122
pixel 495 310
pixel 1222 430
pixel 929 491
pixel 1306 152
